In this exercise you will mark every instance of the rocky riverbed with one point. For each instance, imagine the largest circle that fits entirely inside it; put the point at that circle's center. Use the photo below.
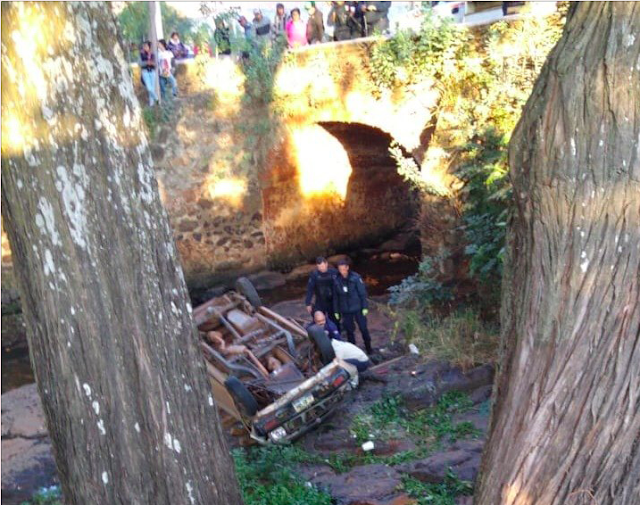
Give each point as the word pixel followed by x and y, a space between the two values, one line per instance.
pixel 406 390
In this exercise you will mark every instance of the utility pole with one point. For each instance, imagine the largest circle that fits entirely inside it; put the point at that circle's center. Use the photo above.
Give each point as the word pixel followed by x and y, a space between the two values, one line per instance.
pixel 155 33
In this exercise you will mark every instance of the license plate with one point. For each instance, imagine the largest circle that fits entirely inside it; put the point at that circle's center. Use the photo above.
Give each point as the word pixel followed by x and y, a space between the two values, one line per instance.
pixel 302 403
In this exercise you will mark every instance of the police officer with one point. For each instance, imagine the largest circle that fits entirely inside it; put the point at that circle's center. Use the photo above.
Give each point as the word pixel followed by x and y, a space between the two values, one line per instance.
pixel 320 286
pixel 350 303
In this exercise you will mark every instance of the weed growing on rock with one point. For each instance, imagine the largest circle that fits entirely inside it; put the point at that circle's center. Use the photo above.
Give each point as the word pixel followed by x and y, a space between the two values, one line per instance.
pixel 390 418
pixel 46 496
pixel 267 477
pixel 461 338
pixel 437 494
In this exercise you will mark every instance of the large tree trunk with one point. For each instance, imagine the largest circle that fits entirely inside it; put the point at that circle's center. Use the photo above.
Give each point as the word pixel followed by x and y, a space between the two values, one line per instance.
pixel 111 335
pixel 566 424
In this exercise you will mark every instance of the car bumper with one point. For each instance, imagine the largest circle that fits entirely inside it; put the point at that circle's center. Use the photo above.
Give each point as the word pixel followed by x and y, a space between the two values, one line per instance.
pixel 283 419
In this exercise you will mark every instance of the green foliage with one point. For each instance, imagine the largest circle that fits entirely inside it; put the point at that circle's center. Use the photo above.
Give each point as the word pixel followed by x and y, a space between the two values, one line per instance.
pixel 407 58
pixel 134 21
pixel 267 477
pixel 486 194
pixel 158 115
pixel 437 494
pixel 389 418
pixel 46 496
pixel 410 172
pixel 260 69
pixel 484 82
pixel 461 338
pixel 422 289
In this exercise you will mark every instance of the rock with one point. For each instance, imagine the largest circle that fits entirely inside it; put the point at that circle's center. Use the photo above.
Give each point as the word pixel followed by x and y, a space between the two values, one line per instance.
pixel 481 394
pixel 479 420
pixel 316 472
pixel 335 441
pixel 333 260
pixel 188 225
pixel 14 331
pixel 363 485
pixel 391 447
pixel 434 469
pixel 10 296
pixel 22 414
pixel 267 280
pixel 300 272
pixel 157 153
pixel 400 242
pixel 369 251
pixel 27 459
pixel 468 445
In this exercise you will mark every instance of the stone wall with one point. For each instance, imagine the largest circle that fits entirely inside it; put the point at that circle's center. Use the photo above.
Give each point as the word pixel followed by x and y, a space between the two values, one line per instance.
pixel 246 187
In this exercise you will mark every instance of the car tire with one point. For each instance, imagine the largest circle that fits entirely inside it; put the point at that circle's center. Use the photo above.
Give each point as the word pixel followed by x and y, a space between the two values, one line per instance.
pixel 322 343
pixel 246 403
pixel 246 288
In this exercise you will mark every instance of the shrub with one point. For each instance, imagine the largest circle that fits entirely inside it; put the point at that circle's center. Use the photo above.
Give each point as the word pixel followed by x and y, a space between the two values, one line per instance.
pixel 461 338
pixel 266 476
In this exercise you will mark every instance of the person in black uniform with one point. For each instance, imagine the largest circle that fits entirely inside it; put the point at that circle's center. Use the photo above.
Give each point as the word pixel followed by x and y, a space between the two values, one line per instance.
pixel 320 287
pixel 350 304
pixel 376 16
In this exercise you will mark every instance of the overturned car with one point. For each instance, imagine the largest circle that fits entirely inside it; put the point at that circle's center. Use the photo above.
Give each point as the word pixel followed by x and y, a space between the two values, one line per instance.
pixel 266 371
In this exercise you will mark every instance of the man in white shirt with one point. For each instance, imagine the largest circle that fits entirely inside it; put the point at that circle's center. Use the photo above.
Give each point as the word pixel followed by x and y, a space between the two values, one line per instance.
pixel 346 351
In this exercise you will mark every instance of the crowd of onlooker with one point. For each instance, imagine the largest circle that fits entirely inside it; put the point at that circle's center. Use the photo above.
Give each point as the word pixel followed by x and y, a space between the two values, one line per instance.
pixel 349 20
pixel 168 52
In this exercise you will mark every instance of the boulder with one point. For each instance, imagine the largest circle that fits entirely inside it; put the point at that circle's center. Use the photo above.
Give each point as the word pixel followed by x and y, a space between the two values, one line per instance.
pixel 299 272
pixel 364 485
pixel 27 459
pixel 14 331
pixel 333 260
pixel 400 242
pixel 434 379
pixel 481 394
pixel 22 414
pixel 434 469
pixel 267 280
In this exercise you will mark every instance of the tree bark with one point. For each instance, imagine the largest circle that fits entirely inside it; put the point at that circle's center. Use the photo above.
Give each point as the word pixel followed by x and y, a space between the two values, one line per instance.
pixel 566 423
pixel 112 341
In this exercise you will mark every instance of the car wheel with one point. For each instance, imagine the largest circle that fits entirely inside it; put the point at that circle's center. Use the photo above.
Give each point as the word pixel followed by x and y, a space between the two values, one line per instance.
pixel 244 400
pixel 246 288
pixel 322 343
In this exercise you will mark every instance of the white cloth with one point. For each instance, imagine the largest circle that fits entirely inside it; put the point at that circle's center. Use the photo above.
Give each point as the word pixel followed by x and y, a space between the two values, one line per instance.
pixel 164 59
pixel 347 350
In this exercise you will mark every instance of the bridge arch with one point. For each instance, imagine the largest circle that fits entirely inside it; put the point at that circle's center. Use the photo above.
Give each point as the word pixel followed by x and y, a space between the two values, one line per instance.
pixel 332 186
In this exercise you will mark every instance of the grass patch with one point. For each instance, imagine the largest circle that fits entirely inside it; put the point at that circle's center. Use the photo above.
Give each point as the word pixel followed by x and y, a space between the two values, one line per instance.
pixel 461 338
pixel 389 418
pixel 158 115
pixel 46 496
pixel 437 494
pixel 267 477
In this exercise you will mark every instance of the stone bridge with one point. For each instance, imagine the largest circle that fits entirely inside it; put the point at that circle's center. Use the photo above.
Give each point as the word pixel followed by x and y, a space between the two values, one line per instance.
pixel 250 185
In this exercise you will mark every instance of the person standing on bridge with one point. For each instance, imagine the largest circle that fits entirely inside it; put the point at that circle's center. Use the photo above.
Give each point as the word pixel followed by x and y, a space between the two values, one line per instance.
pixel 320 287
pixel 176 46
pixel 261 25
pixel 315 25
pixel 341 18
pixel 279 25
pixel 376 17
pixel 350 304
pixel 296 30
